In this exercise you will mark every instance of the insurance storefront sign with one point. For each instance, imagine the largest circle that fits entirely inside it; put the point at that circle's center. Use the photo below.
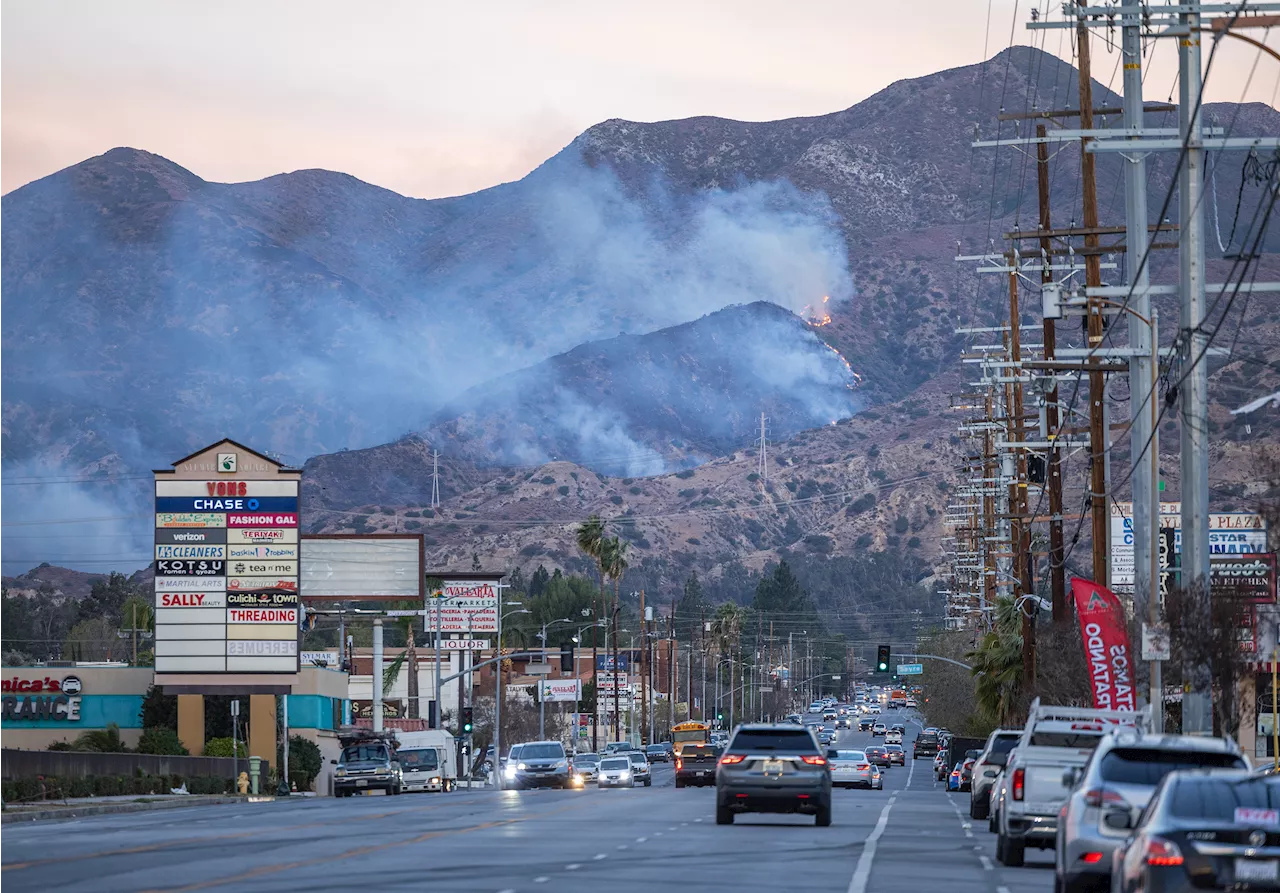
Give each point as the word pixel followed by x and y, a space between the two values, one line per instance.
pixel 52 698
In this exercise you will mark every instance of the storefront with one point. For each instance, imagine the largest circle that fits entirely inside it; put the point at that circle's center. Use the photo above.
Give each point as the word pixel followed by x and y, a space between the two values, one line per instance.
pixel 44 705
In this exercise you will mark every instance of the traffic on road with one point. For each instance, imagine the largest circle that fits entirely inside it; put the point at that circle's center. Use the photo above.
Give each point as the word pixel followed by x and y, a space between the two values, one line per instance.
pixel 1077 800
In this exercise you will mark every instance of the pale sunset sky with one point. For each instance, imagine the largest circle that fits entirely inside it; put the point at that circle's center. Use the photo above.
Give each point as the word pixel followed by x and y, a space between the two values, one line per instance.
pixel 432 99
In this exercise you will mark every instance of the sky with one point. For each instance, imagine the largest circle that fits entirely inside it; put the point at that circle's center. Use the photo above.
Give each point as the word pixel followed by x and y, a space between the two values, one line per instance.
pixel 432 99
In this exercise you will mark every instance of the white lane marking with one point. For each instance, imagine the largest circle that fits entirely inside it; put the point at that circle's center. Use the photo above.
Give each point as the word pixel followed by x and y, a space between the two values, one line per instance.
pixel 862 874
pixel 986 863
pixel 508 890
pixel 541 879
pixel 657 833
pixel 968 834
pixel 622 846
pixel 572 866
pixel 598 856
pixel 672 828
pixel 697 820
pixel 1002 889
pixel 641 839
pixel 911 772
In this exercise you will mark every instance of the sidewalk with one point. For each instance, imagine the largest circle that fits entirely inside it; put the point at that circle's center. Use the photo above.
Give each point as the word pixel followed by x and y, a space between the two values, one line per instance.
pixel 80 807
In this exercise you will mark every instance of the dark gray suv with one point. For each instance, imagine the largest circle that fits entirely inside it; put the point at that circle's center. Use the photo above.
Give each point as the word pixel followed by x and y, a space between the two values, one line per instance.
pixel 543 764
pixel 773 768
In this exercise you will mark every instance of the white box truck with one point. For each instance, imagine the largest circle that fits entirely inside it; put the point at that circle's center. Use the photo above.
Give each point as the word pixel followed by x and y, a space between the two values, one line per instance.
pixel 428 760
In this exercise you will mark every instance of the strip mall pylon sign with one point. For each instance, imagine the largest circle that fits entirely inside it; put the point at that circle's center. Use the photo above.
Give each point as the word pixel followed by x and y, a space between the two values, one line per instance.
pixel 1106 645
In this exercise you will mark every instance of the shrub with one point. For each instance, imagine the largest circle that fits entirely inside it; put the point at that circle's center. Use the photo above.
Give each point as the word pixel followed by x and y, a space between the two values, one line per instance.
pixel 615 499
pixel 548 480
pixel 635 491
pixel 100 741
pixel 305 761
pixel 162 741
pixel 413 514
pixel 563 490
pixel 221 747
pixel 874 451
pixel 685 475
pixel 913 543
pixel 901 525
pixel 863 541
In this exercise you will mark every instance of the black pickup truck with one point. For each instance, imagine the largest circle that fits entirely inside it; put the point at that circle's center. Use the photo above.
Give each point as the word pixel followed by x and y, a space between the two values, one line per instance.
pixel 696 764
pixel 926 745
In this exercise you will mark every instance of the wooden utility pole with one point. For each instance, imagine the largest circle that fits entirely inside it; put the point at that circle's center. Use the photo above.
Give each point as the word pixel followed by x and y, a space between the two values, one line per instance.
pixel 1053 467
pixel 1020 524
pixel 988 514
pixel 1098 434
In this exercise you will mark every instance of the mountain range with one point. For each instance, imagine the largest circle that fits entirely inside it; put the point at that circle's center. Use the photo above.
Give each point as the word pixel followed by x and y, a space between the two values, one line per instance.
pixel 604 315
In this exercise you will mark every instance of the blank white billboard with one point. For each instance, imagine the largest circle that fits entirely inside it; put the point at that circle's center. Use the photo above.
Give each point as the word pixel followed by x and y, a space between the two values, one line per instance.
pixel 380 566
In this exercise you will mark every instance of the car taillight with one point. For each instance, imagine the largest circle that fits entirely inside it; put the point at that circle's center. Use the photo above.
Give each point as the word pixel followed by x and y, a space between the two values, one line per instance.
pixel 1103 797
pixel 815 761
pixel 1091 858
pixel 679 764
pixel 731 758
pixel 1019 783
pixel 1162 852
pixel 862 767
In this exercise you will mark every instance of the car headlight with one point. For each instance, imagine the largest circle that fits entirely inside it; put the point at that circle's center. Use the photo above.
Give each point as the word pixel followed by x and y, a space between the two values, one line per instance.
pixel 562 764
pixel 625 775
pixel 435 781
pixel 340 772
pixel 509 772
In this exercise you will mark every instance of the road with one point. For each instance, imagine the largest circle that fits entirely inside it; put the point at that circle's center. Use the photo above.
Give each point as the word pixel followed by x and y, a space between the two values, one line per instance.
pixel 912 836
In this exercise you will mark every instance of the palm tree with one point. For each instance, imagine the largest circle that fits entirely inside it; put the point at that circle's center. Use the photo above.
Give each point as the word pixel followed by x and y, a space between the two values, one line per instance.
pixel 138 615
pixel 726 634
pixel 997 666
pixel 613 561
pixel 590 535
pixel 409 655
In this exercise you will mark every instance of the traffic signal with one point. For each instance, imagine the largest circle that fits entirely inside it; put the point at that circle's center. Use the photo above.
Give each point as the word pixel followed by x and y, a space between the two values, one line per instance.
pixel 882 658
pixel 566 659
pixel 468 724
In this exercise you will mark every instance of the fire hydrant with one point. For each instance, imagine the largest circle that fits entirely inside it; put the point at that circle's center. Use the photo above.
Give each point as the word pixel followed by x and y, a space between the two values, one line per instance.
pixel 243 782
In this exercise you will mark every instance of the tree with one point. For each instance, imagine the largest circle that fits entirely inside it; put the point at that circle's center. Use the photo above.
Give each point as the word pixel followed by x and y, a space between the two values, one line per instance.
pixel 137 615
pixel 162 741
pixel 100 741
pixel 997 666
pixel 93 639
pixel 538 581
pixel 107 597
pixel 159 711
pixel 613 564
pixel 780 591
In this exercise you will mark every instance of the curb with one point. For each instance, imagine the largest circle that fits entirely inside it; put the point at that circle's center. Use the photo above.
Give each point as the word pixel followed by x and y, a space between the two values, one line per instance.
pixel 78 812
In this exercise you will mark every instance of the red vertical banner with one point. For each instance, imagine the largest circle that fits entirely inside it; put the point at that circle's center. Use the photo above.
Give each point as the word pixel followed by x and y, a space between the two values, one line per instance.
pixel 1107 652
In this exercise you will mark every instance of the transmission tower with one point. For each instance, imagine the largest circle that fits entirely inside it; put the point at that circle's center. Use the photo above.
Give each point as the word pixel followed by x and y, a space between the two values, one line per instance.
pixel 763 465
pixel 435 479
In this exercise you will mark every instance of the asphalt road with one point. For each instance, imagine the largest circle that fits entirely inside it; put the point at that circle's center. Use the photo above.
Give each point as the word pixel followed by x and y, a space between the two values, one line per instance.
pixel 912 836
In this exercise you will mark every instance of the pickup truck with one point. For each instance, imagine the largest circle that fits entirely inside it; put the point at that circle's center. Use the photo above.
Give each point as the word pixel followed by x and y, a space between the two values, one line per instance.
pixel 368 762
pixel 696 765
pixel 1038 775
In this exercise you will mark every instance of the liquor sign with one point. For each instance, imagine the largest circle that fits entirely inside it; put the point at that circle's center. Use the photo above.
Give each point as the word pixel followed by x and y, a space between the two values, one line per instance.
pixel 227 558
pixel 464 606
pixel 1230 533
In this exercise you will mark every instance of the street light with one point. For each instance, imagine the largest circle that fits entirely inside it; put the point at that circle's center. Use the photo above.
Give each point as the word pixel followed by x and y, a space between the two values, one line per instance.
pixel 497 704
pixel 542 702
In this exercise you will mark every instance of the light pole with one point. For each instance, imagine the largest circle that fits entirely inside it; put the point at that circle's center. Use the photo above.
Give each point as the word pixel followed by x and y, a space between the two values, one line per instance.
pixel 497 702
pixel 542 701
pixel 791 668
pixel 577 640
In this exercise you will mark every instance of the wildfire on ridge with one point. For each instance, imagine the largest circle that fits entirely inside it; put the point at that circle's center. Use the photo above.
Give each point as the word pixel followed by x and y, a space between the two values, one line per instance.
pixel 819 317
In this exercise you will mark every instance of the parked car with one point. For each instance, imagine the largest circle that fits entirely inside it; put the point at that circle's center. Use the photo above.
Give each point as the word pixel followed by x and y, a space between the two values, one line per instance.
pixel 1121 776
pixel 1210 830
pixel 773 768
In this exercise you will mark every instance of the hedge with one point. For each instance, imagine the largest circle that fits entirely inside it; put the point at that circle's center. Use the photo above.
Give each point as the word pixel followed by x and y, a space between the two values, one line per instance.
pixel 54 788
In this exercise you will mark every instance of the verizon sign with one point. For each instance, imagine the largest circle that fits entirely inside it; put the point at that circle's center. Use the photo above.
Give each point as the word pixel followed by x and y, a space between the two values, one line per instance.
pixel 464 606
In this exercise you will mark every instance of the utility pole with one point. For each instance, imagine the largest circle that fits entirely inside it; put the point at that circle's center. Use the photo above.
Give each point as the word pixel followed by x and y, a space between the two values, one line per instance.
pixel 1144 442
pixel 1099 510
pixel 644 673
pixel 1053 465
pixel 1019 534
pixel 1193 418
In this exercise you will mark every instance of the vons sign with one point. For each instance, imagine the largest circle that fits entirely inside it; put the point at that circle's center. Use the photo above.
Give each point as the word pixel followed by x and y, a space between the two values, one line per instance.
pixel 49 698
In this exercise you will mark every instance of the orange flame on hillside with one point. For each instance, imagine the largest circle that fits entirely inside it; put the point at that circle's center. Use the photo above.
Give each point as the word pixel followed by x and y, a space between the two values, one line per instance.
pixel 814 317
